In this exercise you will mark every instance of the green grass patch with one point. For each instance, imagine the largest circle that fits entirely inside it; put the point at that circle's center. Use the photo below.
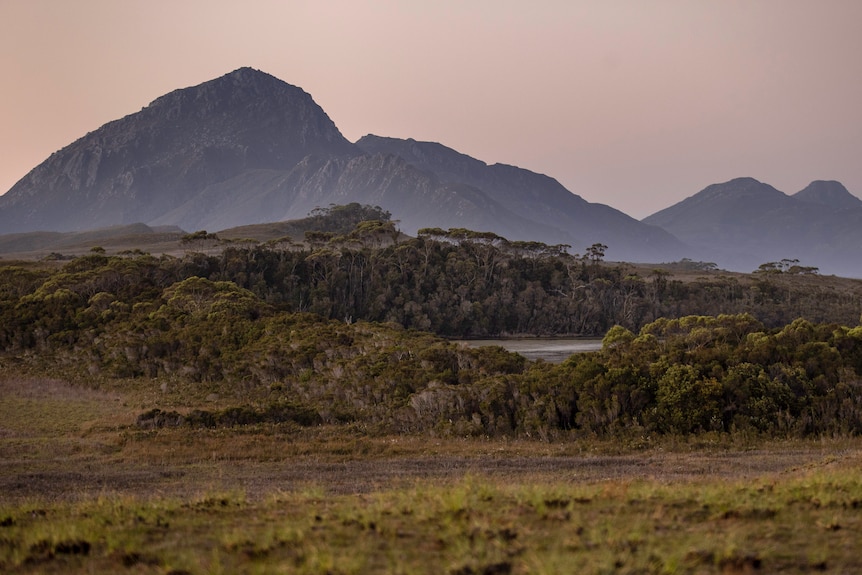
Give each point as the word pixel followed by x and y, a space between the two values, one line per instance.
pixel 804 522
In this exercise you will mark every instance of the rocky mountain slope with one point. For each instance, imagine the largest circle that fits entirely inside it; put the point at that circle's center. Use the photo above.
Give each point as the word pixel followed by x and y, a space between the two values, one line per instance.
pixel 536 197
pixel 743 223
pixel 154 162
pixel 249 148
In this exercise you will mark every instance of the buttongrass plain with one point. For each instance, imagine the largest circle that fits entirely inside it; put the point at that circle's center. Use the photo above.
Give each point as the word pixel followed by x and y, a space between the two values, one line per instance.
pixel 83 490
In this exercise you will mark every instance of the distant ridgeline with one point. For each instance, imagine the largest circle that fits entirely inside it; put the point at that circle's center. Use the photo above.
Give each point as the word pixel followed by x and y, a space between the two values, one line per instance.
pixel 315 334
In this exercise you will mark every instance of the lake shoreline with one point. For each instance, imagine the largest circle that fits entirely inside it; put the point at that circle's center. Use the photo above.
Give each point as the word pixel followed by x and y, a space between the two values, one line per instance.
pixel 550 349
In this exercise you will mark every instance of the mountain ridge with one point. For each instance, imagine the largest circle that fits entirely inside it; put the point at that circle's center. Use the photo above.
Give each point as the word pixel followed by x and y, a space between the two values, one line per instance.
pixel 533 195
pixel 743 223
pixel 249 148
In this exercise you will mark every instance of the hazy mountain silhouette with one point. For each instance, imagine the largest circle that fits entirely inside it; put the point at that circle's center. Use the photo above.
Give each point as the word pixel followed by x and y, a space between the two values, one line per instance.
pixel 828 193
pixel 249 148
pixel 536 197
pixel 143 166
pixel 744 223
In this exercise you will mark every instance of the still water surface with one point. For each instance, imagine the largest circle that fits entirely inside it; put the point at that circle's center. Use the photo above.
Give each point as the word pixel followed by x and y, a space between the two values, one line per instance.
pixel 554 350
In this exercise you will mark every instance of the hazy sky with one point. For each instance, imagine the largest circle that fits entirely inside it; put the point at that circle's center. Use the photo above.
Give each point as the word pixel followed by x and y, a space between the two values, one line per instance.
pixel 637 104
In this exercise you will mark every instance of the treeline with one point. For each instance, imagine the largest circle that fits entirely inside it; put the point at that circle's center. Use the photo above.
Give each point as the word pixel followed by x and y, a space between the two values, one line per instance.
pixel 459 283
pixel 455 283
pixel 133 317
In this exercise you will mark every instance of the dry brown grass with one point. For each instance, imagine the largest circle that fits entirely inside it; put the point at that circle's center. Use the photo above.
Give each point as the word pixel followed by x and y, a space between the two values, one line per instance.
pixel 83 490
pixel 61 441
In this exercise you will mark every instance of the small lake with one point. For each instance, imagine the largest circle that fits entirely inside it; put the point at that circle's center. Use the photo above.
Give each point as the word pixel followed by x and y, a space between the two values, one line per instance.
pixel 554 350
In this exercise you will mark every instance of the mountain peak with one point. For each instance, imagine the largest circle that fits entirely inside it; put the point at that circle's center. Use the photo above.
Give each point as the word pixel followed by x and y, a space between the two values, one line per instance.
pixel 252 76
pixel 741 187
pixel 247 94
pixel 828 193
pixel 718 202
pixel 742 223
pixel 245 71
pixel 151 162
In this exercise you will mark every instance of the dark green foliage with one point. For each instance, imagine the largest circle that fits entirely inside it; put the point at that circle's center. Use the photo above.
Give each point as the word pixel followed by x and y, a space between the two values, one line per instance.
pixel 198 236
pixel 686 401
pixel 462 283
pixel 245 415
pixel 343 219
pixel 280 412
pixel 331 334
pixel 729 373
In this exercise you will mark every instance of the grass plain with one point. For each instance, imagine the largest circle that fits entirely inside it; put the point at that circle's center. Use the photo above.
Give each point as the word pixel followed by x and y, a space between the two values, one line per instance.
pixel 84 490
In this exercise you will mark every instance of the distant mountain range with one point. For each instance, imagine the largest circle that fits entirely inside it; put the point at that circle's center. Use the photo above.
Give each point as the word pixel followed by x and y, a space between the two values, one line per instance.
pixel 744 223
pixel 248 148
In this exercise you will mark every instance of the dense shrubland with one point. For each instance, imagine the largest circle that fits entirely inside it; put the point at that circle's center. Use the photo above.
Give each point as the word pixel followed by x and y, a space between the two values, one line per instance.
pixel 328 334
pixel 461 283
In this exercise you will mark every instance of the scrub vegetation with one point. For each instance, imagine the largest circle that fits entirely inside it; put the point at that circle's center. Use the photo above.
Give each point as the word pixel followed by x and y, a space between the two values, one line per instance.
pixel 287 407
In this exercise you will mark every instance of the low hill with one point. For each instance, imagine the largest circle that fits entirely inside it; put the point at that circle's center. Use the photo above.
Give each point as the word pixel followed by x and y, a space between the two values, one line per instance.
pixel 37 245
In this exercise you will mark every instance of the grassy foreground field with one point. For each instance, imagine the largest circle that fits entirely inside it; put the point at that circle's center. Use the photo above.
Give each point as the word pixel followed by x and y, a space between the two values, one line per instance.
pixel 84 490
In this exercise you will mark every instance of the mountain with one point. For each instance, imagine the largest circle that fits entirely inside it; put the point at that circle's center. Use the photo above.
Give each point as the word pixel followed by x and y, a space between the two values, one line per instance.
pixel 535 197
pixel 248 148
pixel 743 223
pixel 828 193
pixel 147 164
pixel 38 245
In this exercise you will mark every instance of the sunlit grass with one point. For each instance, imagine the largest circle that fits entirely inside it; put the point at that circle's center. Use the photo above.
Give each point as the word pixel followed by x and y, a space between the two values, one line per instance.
pixel 88 492
pixel 807 521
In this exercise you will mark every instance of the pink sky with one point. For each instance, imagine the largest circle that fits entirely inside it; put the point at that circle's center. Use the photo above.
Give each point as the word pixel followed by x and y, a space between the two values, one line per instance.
pixel 636 104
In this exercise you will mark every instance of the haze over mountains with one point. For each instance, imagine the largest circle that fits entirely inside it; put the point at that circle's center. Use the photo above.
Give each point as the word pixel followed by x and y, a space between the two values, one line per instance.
pixel 249 148
pixel 744 223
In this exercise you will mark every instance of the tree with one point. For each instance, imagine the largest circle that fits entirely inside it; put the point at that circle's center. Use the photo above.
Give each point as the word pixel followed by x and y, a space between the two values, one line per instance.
pixel 596 253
